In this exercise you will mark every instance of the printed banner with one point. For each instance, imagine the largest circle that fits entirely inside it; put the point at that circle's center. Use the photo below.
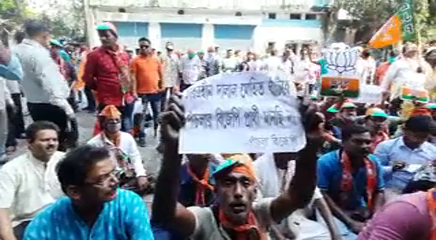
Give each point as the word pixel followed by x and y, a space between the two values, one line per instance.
pixel 400 27
pixel 419 95
pixel 370 94
pixel 340 78
pixel 245 112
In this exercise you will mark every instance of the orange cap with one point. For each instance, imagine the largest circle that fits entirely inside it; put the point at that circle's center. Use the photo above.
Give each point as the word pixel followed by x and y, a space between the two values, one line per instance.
pixel 110 111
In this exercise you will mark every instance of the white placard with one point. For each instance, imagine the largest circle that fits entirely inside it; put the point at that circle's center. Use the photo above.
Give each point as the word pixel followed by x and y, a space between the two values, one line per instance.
pixel 370 94
pixel 241 113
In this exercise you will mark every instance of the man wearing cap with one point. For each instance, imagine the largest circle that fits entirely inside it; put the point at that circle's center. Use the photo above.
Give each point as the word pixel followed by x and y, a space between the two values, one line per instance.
pixel 190 68
pixel 45 87
pixel 234 215
pixel 171 66
pixel 123 148
pixel 376 122
pixel 346 116
pixel 351 181
pixel 107 72
pixel 403 156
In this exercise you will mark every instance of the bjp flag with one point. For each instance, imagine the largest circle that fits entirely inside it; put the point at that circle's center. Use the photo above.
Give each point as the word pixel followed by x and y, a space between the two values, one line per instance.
pixel 400 27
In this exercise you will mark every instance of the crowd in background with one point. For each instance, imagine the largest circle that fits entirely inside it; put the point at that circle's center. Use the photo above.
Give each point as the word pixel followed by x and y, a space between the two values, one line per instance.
pixel 366 172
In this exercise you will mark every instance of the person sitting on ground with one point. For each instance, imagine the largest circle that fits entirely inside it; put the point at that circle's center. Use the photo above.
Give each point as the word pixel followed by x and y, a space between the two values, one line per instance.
pixel 234 215
pixel 376 121
pixel 28 183
pixel 95 206
pixel 351 181
pixel 402 156
pixel 123 148
pixel 273 172
pixel 410 216
pixel 346 116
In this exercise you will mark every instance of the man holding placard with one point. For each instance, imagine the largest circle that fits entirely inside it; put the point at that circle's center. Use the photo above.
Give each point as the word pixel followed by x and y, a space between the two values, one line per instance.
pixel 235 215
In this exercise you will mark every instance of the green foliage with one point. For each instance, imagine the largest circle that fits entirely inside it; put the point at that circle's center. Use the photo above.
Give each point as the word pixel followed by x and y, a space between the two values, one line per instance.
pixel 369 15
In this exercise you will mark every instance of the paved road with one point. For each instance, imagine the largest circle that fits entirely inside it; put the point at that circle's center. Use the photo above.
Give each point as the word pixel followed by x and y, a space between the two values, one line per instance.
pixel 86 122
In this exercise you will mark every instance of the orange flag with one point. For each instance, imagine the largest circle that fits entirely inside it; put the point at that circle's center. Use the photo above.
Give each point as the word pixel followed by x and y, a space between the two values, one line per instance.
pixel 389 34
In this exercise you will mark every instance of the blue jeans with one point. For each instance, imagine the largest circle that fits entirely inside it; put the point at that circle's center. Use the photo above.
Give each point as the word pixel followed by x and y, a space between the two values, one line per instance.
pixel 154 100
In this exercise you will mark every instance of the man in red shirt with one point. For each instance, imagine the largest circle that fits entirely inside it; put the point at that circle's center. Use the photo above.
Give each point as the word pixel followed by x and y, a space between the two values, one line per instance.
pixel 107 72
pixel 146 72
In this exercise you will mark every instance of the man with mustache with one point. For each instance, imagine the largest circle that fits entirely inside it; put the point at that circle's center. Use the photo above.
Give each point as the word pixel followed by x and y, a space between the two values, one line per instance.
pixel 28 183
pixel 234 215
pixel 95 208
pixel 351 181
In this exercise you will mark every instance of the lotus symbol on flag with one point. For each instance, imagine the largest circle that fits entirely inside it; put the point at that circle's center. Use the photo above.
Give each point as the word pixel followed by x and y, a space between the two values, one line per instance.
pixel 341 61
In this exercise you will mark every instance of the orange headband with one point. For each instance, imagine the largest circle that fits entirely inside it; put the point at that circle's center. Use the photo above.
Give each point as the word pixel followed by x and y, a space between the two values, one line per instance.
pixel 245 167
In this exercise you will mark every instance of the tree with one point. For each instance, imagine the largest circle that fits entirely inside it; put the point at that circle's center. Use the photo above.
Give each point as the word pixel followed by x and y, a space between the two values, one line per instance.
pixel 369 15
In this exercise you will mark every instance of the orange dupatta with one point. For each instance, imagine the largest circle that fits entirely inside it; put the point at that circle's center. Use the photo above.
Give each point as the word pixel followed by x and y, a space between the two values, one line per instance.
pixel 202 185
pixel 371 178
pixel 243 231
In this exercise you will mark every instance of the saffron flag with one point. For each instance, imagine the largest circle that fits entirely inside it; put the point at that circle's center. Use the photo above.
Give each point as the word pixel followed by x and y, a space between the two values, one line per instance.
pixel 400 27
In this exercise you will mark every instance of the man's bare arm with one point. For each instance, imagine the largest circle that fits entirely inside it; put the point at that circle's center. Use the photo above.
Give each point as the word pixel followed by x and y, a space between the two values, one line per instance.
pixel 6 231
pixel 166 211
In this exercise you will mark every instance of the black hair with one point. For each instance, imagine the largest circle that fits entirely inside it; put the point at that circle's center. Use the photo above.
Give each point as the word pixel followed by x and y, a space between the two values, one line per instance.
pixel 144 39
pixel 19 36
pixel 34 28
pixel 33 129
pixel 366 53
pixel 419 124
pixel 350 130
pixel 432 42
pixel 74 168
pixel 420 185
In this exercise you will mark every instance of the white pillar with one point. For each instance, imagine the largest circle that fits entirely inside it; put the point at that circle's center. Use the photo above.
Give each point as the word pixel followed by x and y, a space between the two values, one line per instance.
pixel 154 34
pixel 208 33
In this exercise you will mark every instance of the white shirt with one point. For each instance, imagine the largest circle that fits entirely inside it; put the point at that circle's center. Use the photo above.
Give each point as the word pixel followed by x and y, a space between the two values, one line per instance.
pixel 171 64
pixel 42 81
pixel 402 72
pixel 366 70
pixel 127 145
pixel 190 69
pixel 28 185
pixel 229 64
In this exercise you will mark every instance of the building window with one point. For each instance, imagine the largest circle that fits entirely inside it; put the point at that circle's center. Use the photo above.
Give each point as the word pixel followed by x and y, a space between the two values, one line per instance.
pixel 121 10
pixel 238 14
pixel 310 16
pixel 181 12
pixel 272 16
pixel 295 16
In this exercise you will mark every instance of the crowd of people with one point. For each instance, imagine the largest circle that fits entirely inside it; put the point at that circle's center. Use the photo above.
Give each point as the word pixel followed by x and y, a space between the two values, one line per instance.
pixel 367 171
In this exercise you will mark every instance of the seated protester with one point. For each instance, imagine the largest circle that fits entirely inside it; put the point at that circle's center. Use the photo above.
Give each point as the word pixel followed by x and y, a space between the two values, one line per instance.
pixel 408 217
pixel 274 171
pixel 196 187
pixel 123 148
pixel 376 122
pixel 234 215
pixel 28 183
pixel 402 156
pixel 351 181
pixel 346 116
pixel 95 207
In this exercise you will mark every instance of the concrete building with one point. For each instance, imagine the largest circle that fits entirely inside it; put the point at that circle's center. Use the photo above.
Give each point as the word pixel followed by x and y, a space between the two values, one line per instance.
pixel 198 24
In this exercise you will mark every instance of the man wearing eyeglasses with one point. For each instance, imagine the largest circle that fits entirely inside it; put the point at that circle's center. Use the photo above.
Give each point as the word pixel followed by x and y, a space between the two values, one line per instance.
pixel 95 207
pixel 146 72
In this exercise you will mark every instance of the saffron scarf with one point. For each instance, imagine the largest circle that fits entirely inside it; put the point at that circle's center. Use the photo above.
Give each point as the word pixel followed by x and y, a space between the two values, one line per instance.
pixel 202 185
pixel 347 183
pixel 243 232
pixel 431 202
